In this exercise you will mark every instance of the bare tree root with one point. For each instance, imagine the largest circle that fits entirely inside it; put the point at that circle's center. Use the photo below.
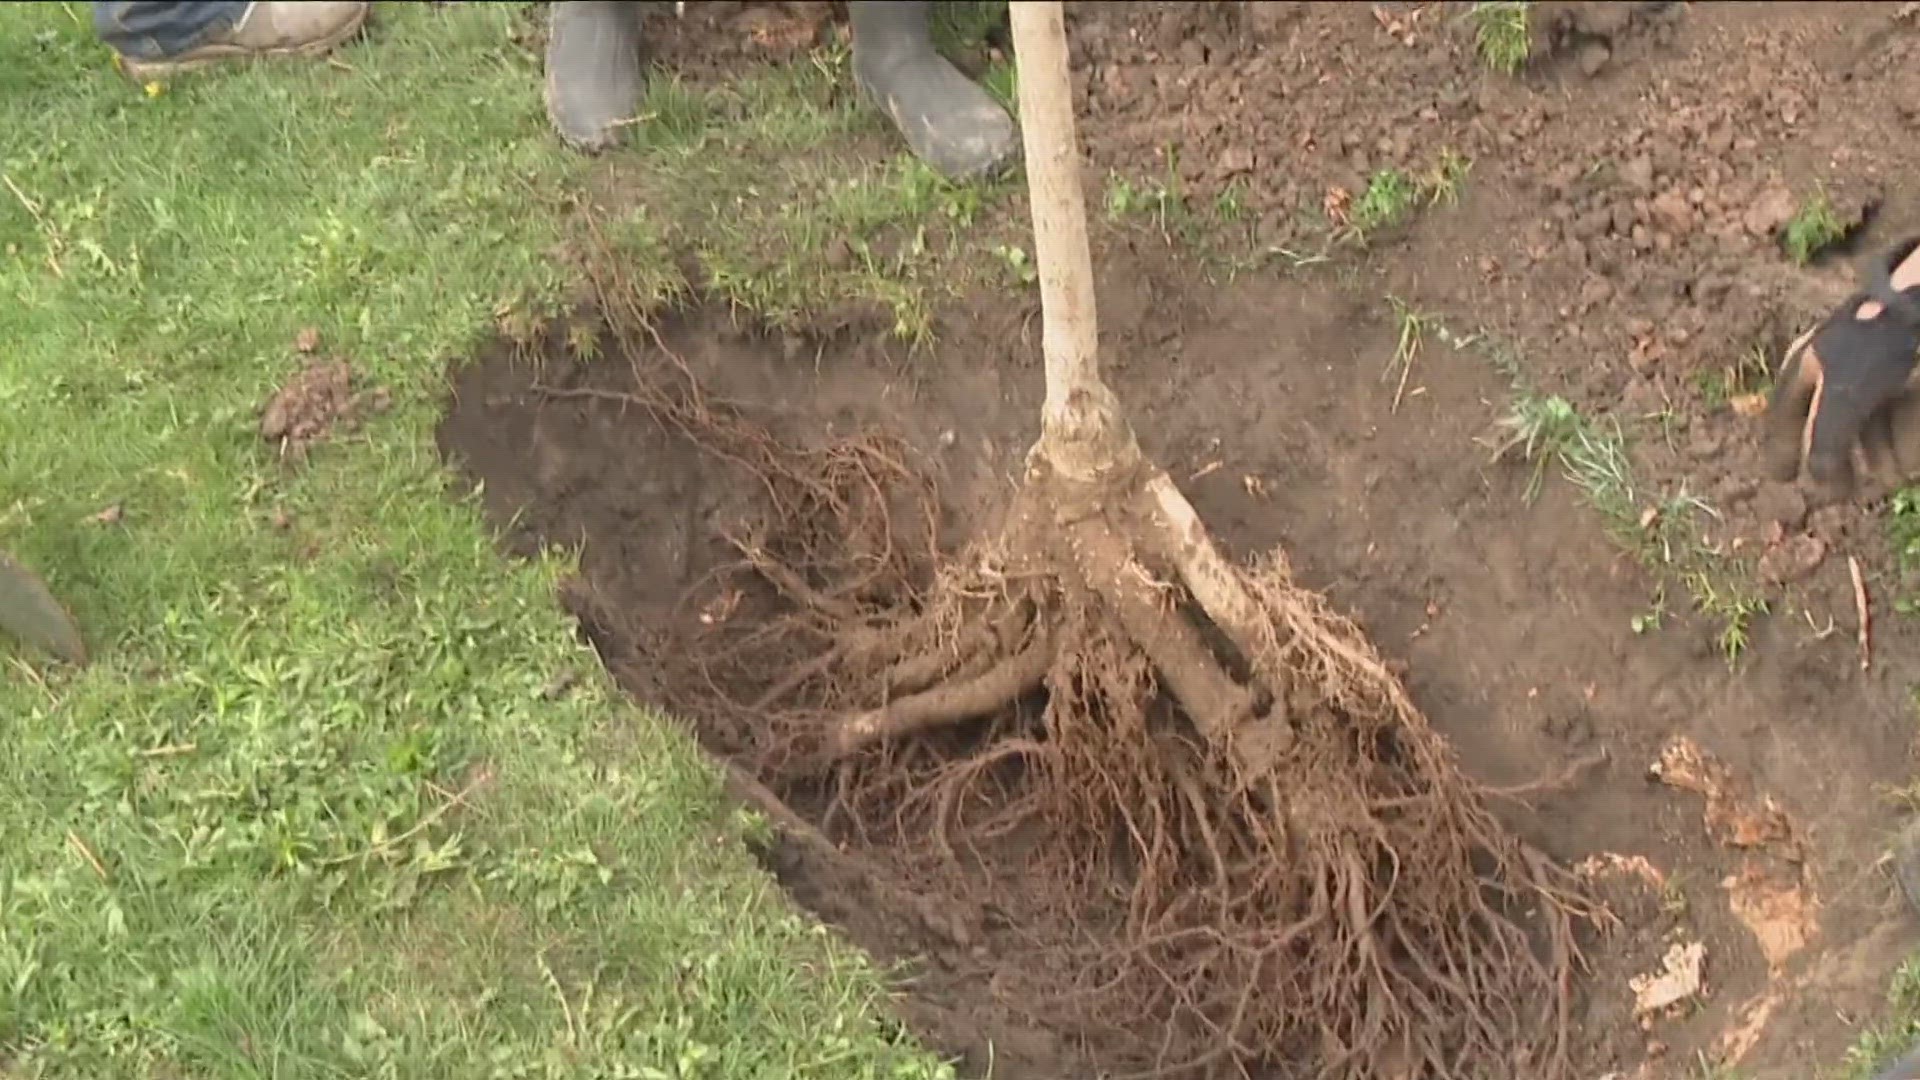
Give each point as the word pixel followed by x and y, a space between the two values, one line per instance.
pixel 1307 874
pixel 984 694
pixel 1227 835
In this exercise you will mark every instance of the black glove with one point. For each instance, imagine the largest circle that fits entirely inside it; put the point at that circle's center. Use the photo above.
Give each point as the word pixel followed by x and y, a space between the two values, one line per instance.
pixel 1839 382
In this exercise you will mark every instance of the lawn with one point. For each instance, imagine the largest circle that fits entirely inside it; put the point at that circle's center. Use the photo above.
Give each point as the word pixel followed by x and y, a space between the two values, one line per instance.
pixel 342 794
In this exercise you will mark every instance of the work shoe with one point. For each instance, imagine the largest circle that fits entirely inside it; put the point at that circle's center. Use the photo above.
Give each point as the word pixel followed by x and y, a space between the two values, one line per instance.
pixel 267 29
pixel 593 71
pixel 949 121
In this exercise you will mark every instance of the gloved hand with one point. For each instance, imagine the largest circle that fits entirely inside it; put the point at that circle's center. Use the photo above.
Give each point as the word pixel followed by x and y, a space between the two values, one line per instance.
pixel 1842 384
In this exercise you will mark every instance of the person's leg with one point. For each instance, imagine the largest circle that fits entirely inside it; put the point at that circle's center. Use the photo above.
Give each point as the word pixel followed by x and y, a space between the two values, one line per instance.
pixel 593 70
pixel 948 121
pixel 156 39
pixel 152 31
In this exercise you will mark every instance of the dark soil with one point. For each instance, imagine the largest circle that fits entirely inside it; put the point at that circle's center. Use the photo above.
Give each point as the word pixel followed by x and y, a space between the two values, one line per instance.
pixel 1618 229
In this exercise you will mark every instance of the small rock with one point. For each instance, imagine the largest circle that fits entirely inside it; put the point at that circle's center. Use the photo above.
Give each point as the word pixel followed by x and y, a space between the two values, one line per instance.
pixel 1591 225
pixel 1641 395
pixel 1638 173
pixel 1792 558
pixel 1830 520
pixel 1672 212
pixel 1734 490
pixel 1770 211
pixel 1236 160
pixel 1593 57
pixel 1705 445
pixel 1595 290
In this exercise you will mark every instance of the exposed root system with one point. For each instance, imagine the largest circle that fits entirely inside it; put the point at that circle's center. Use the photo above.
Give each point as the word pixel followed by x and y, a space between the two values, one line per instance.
pixel 1236 843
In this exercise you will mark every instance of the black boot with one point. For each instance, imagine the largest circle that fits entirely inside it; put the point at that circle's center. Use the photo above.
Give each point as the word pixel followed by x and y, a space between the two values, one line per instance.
pixel 29 612
pixel 593 71
pixel 948 121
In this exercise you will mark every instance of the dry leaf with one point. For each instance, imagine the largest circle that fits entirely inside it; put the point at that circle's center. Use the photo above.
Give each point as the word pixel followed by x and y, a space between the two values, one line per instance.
pixel 1678 980
pixel 1336 203
pixel 1744 1032
pixel 1782 917
pixel 1730 816
pixel 1612 863
pixel 721 607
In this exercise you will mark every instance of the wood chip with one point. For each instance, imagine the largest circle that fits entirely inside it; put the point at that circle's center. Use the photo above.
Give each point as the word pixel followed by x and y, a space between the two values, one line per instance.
pixel 1860 607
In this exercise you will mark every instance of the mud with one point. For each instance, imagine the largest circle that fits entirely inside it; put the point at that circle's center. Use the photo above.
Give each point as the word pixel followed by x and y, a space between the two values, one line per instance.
pixel 1620 229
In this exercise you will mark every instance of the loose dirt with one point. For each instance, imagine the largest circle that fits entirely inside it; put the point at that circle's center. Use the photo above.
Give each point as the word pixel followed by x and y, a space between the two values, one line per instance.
pixel 314 402
pixel 1618 228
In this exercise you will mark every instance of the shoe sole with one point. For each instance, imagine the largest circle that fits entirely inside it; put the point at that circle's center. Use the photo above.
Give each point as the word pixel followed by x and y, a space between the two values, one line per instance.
pixel 211 55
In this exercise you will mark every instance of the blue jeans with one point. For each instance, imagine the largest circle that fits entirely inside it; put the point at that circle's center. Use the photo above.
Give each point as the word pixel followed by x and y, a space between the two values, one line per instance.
pixel 156 31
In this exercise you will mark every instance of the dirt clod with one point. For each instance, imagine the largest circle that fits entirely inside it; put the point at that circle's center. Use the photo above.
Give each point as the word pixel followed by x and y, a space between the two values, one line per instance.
pixel 1792 558
pixel 311 405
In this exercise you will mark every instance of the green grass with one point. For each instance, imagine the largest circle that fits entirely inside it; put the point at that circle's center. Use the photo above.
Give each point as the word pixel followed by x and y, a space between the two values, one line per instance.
pixel 1812 228
pixel 959 25
pixel 1752 373
pixel 1892 1036
pixel 796 198
pixel 1391 197
pixel 1387 200
pixel 1903 534
pixel 1442 183
pixel 1414 328
pixel 343 795
pixel 1500 34
pixel 1215 233
pixel 965 30
pixel 1662 531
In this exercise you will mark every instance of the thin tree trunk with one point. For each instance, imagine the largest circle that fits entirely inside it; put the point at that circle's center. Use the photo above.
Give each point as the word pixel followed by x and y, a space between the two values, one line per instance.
pixel 1083 435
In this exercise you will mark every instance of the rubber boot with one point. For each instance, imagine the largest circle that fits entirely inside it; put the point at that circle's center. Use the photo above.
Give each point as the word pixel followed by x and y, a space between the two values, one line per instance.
pixel 949 122
pixel 29 612
pixel 593 71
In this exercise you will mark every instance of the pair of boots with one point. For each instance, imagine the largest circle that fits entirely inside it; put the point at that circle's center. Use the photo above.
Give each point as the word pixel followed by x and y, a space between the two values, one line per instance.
pixel 594 82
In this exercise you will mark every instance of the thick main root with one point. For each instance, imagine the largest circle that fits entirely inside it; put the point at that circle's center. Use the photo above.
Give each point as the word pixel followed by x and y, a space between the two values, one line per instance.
pixel 1235 846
